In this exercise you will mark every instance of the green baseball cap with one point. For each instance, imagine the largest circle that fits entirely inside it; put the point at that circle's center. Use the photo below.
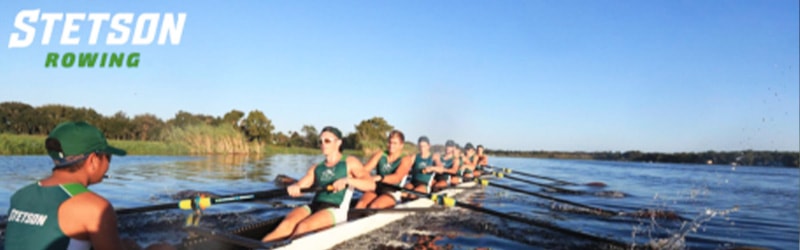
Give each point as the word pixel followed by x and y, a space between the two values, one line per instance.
pixel 70 142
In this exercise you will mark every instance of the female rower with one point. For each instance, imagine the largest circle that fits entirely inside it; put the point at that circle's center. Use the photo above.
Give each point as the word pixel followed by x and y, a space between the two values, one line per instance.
pixel 328 208
pixel 449 166
pixel 458 177
pixel 483 161
pixel 470 161
pixel 422 171
pixel 392 167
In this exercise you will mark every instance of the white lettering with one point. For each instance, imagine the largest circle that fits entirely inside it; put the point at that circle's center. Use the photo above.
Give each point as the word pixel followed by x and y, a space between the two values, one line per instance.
pixel 116 28
pixel 124 31
pixel 69 27
pixel 27 217
pixel 49 19
pixel 97 20
pixel 146 19
pixel 172 29
pixel 30 32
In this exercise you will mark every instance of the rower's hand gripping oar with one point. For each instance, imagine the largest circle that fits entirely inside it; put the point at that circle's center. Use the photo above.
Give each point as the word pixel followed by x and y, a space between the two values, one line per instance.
pixel 203 202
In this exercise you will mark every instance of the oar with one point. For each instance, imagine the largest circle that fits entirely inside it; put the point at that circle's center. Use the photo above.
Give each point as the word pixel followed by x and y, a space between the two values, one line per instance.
pixel 450 202
pixel 594 209
pixel 204 202
pixel 508 170
pixel 558 189
pixel 669 215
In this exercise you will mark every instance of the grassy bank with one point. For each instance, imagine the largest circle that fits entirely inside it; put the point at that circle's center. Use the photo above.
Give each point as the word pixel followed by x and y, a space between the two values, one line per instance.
pixel 197 141
pixel 34 144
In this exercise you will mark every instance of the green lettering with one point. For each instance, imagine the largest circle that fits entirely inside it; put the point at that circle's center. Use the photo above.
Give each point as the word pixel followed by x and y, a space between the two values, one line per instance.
pixel 116 59
pixel 52 60
pixel 133 60
pixel 87 59
pixel 68 60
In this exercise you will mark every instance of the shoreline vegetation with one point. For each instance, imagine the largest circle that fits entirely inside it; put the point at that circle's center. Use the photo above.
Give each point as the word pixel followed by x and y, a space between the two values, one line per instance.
pixel 23 129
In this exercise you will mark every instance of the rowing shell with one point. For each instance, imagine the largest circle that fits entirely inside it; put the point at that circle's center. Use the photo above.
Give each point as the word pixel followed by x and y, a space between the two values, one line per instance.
pixel 249 236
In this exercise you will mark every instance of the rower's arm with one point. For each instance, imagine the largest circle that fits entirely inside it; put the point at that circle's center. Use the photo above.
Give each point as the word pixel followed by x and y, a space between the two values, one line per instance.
pixel 308 179
pixel 401 172
pixel 484 160
pixel 372 162
pixel 470 164
pixel 357 177
pixel 438 166
pixel 454 170
pixel 100 222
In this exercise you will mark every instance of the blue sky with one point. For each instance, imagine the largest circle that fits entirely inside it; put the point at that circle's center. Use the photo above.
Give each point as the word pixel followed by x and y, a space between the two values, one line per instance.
pixel 526 75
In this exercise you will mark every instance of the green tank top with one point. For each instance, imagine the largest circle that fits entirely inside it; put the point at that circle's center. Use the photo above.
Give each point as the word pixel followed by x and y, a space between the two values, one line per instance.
pixel 448 164
pixel 33 217
pixel 385 167
pixel 469 171
pixel 420 164
pixel 324 176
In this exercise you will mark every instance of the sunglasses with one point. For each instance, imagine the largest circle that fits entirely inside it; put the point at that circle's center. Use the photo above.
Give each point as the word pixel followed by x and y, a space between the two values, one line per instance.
pixel 326 141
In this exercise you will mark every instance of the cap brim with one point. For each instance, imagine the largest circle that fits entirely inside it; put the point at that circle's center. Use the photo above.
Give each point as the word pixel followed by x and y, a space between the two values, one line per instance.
pixel 115 151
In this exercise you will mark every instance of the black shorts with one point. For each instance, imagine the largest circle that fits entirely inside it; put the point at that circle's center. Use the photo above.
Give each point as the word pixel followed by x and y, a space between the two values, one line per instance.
pixel 442 177
pixel 380 189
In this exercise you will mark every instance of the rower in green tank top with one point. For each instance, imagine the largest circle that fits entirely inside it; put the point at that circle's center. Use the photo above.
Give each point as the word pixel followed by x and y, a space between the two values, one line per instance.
pixel 391 167
pixel 470 161
pixel 81 157
pixel 423 170
pixel 458 161
pixel 483 160
pixel 449 166
pixel 325 176
pixel 343 173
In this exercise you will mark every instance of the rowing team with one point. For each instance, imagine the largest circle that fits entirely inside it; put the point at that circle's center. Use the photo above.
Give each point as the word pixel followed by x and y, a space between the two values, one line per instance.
pixel 422 172
pixel 59 212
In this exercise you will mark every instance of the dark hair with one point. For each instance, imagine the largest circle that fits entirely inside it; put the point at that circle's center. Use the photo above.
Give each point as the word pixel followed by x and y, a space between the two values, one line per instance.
pixel 397 133
pixel 74 163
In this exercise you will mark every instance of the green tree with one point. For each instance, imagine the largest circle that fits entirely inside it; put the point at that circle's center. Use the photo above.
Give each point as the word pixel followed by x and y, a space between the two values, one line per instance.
pixel 233 117
pixel 279 138
pixel 16 117
pixel 296 140
pixel 350 141
pixel 147 127
pixel 372 133
pixel 311 136
pixel 257 127
pixel 118 127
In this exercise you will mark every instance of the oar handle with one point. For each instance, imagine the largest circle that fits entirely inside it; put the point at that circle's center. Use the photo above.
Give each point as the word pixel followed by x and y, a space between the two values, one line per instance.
pixel 202 202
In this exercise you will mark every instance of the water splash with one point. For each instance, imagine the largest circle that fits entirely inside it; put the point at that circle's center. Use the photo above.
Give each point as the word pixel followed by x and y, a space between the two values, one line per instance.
pixel 678 240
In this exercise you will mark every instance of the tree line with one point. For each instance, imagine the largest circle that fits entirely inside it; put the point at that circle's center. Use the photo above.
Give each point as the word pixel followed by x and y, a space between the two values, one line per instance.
pixel 22 118
pixel 370 134
pixel 746 157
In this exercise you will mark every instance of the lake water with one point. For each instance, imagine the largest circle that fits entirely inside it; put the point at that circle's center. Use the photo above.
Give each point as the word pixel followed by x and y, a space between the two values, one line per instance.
pixel 720 207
